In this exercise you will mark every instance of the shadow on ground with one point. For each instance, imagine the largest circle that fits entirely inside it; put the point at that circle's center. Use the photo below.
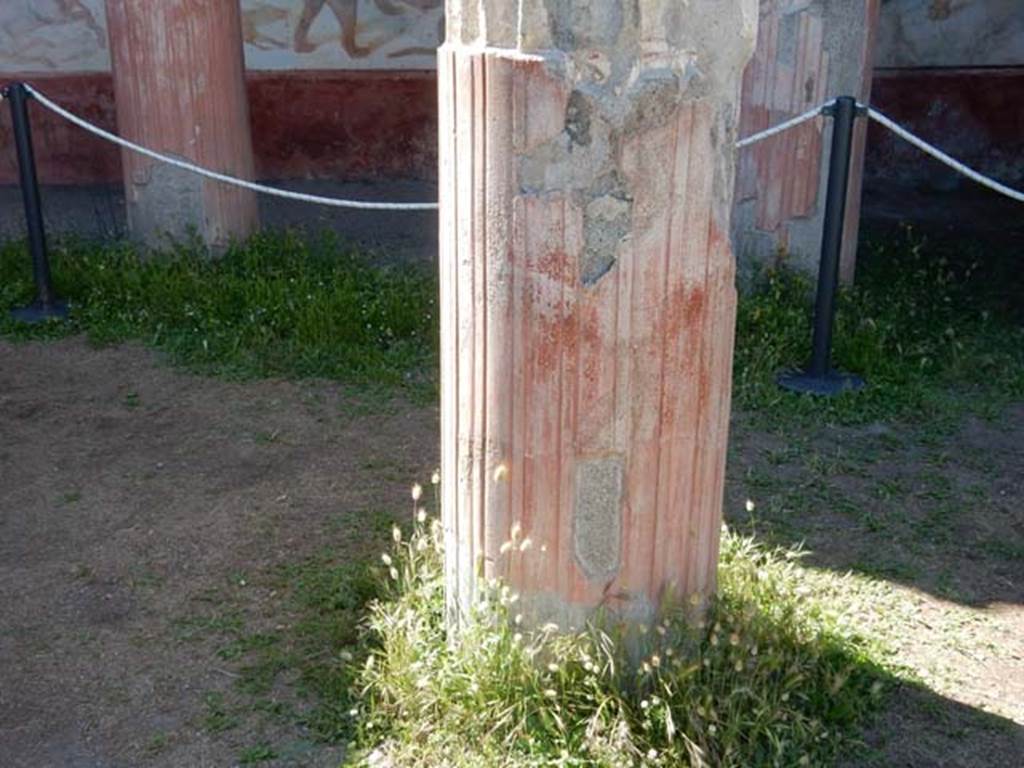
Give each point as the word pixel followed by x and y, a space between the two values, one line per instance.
pixel 937 512
pixel 920 729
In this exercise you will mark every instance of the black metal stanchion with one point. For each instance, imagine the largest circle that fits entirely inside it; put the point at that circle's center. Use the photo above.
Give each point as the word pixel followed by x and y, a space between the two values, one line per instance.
pixel 46 304
pixel 819 378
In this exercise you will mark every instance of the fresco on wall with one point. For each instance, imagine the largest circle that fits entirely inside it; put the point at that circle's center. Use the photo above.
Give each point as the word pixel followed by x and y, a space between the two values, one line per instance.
pixel 53 35
pixel 951 33
pixel 70 35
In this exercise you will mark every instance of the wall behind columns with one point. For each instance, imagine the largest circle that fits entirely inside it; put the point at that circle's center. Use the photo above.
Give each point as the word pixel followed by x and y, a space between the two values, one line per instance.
pixel 807 51
pixel 952 71
pixel 950 33
pixel 328 99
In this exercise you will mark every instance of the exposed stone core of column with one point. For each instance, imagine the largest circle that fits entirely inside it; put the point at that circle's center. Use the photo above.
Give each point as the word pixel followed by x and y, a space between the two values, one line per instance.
pixel 179 83
pixel 588 297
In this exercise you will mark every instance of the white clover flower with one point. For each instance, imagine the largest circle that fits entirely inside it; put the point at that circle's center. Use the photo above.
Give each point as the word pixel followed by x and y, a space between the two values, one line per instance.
pixel 417 491
pixel 385 558
pixel 435 478
pixel 527 543
pixel 396 534
pixel 750 505
pixel 421 515
pixel 394 573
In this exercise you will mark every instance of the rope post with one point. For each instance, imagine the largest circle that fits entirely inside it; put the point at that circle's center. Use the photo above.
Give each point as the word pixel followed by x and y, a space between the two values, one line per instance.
pixel 818 378
pixel 46 304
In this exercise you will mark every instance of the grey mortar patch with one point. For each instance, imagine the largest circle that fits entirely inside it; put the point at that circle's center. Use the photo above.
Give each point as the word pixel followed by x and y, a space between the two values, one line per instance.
pixel 789 39
pixel 597 517
pixel 607 221
pixel 577 118
pixel 653 100
pixel 579 24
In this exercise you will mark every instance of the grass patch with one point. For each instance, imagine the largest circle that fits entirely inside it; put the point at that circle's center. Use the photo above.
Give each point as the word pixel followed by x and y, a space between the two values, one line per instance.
pixel 771 676
pixel 309 652
pixel 928 328
pixel 279 305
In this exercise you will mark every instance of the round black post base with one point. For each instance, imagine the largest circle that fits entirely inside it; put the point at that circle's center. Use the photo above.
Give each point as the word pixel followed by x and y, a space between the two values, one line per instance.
pixel 832 383
pixel 37 312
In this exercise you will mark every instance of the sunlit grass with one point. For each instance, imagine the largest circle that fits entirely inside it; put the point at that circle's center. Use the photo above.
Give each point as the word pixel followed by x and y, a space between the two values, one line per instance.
pixel 279 305
pixel 771 675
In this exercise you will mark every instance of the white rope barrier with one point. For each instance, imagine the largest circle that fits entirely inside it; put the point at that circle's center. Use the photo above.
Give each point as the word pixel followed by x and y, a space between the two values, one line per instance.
pixel 336 202
pixel 942 157
pixel 810 114
pixel 187 166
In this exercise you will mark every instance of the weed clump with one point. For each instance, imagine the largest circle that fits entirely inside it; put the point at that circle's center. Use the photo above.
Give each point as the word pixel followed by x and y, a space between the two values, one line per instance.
pixel 769 676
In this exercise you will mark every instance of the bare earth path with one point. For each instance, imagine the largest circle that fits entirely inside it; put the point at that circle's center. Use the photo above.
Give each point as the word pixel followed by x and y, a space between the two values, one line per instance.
pixel 127 489
pixel 142 509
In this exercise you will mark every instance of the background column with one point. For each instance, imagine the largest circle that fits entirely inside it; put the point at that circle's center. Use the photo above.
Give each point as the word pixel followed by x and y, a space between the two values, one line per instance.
pixel 179 82
pixel 807 51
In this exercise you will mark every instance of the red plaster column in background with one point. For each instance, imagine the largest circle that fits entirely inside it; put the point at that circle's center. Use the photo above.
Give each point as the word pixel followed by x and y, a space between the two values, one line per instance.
pixel 807 51
pixel 180 89
pixel 588 297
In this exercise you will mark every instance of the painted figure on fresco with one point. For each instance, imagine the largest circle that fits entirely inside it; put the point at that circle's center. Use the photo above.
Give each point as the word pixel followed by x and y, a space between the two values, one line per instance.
pixel 256 20
pixel 347 11
pixel 71 11
pixel 48 34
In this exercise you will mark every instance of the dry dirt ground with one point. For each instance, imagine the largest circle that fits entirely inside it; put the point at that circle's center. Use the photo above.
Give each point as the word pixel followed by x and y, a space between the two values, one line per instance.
pixel 128 493
pixel 133 496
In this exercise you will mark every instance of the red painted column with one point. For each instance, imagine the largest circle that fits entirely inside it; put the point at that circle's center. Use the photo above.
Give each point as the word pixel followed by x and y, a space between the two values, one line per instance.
pixel 180 89
pixel 807 51
pixel 588 298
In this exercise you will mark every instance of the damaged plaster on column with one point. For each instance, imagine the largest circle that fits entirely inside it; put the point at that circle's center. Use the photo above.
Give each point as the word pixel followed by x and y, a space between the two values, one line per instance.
pixel 630 66
pixel 597 522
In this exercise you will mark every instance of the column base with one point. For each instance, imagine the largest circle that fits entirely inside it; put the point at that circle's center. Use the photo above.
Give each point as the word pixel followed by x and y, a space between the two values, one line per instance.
pixel 38 312
pixel 830 384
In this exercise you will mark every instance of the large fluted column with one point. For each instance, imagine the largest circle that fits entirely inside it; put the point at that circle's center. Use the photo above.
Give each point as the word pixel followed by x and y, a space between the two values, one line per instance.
pixel 587 296
pixel 179 82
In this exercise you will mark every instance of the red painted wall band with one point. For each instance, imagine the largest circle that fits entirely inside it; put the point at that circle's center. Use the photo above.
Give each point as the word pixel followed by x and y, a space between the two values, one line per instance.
pixel 383 125
pixel 973 114
pixel 318 124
